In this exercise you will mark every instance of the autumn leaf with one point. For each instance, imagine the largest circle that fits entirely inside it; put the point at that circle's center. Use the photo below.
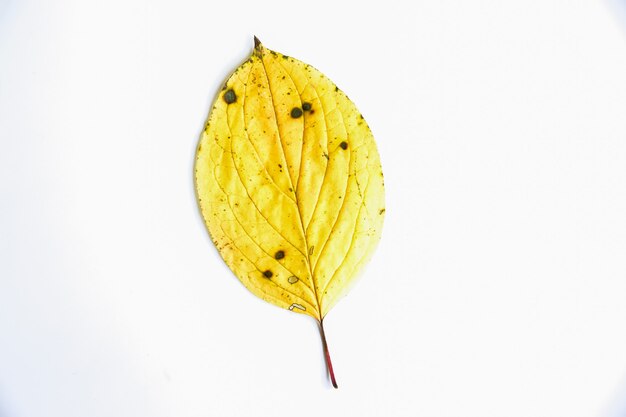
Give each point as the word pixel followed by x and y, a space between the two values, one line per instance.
pixel 289 183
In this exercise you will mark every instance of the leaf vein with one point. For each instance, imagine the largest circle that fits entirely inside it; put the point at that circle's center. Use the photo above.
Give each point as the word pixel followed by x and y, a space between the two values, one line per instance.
pixel 354 232
pixel 243 109
pixel 236 219
pixel 248 194
pixel 269 280
pixel 280 139
pixel 343 203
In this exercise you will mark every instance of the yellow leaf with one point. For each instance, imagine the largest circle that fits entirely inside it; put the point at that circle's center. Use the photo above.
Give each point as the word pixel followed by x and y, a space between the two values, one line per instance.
pixel 289 183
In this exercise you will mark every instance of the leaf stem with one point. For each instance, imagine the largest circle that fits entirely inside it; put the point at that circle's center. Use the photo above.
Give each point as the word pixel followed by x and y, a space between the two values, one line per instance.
pixel 329 364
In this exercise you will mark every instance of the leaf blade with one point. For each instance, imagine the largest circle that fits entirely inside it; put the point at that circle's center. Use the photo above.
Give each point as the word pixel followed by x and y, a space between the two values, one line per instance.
pixel 287 165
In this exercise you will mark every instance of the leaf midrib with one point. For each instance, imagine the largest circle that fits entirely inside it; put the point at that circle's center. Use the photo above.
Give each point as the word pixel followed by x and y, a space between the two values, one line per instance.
pixel 300 221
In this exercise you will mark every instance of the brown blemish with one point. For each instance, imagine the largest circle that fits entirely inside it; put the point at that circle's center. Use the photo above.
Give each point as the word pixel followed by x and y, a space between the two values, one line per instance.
pixel 268 274
pixel 343 145
pixel 306 106
pixel 280 254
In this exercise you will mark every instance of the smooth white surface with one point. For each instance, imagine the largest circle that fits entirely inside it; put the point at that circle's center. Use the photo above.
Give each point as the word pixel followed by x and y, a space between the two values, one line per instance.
pixel 498 289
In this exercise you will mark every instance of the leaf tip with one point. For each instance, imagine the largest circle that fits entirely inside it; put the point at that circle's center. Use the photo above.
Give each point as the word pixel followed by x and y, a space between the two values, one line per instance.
pixel 258 48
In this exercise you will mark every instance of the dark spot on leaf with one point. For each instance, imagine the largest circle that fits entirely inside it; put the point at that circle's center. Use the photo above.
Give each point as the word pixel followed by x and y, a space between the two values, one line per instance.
pixel 381 211
pixel 296 112
pixel 230 96
pixel 311 249
pixel 336 88
pixel 306 106
pixel 343 145
pixel 268 274
pixel 279 255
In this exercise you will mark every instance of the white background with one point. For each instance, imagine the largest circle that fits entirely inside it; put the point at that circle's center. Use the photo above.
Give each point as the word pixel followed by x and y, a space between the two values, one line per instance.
pixel 498 288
